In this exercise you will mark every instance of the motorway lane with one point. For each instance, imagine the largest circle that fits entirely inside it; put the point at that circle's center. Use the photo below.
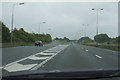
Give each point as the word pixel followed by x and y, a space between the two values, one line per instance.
pixel 81 57
pixel 72 57
pixel 34 61
pixel 15 53
pixel 108 56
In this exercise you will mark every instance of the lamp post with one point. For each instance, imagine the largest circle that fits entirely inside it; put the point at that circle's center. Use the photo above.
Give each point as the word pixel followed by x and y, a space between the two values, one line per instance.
pixel 80 33
pixel 84 25
pixel 12 22
pixel 97 10
pixel 39 30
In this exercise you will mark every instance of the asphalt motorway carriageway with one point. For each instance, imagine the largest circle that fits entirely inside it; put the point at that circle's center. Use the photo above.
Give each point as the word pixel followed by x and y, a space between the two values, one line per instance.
pixel 66 57
pixel 15 53
pixel 81 57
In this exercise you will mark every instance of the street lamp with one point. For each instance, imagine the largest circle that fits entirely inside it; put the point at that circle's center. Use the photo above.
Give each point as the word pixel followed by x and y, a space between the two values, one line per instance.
pixel 12 22
pixel 39 30
pixel 80 33
pixel 97 16
pixel 84 25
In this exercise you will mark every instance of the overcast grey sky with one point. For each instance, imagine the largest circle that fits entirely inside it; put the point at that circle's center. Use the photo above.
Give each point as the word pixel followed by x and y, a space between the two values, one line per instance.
pixel 63 19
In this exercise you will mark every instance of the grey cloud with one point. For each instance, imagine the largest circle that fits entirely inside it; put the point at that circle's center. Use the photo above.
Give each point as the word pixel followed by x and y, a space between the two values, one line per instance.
pixel 64 19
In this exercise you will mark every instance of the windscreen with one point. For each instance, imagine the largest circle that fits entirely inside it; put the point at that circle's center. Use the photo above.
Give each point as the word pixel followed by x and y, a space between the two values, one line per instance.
pixel 59 36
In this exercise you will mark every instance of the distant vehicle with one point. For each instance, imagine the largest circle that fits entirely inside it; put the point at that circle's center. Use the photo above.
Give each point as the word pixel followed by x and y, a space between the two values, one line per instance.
pixel 38 43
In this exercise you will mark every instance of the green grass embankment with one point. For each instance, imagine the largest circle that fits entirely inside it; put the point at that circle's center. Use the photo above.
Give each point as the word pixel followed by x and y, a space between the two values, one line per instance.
pixel 6 45
pixel 115 47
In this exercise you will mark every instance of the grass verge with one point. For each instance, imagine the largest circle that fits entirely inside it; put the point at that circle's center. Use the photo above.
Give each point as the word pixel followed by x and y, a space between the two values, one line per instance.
pixel 62 42
pixel 6 45
pixel 114 47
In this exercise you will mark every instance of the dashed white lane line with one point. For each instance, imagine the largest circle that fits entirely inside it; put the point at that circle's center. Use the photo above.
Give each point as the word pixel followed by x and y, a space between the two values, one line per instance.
pixel 86 50
pixel 98 56
pixel 41 64
pixel 19 67
pixel 37 58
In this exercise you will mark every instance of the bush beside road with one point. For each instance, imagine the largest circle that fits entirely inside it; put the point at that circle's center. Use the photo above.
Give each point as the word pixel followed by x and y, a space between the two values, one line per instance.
pixel 102 41
pixel 21 38
pixel 114 47
pixel 62 42
pixel 6 45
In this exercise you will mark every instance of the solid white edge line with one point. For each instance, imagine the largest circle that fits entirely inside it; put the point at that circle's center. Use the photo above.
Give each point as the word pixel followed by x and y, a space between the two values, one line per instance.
pixel 39 65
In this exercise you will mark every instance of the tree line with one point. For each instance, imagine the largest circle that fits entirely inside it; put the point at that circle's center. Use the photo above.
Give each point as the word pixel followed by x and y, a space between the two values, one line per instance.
pixel 65 39
pixel 101 38
pixel 21 36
